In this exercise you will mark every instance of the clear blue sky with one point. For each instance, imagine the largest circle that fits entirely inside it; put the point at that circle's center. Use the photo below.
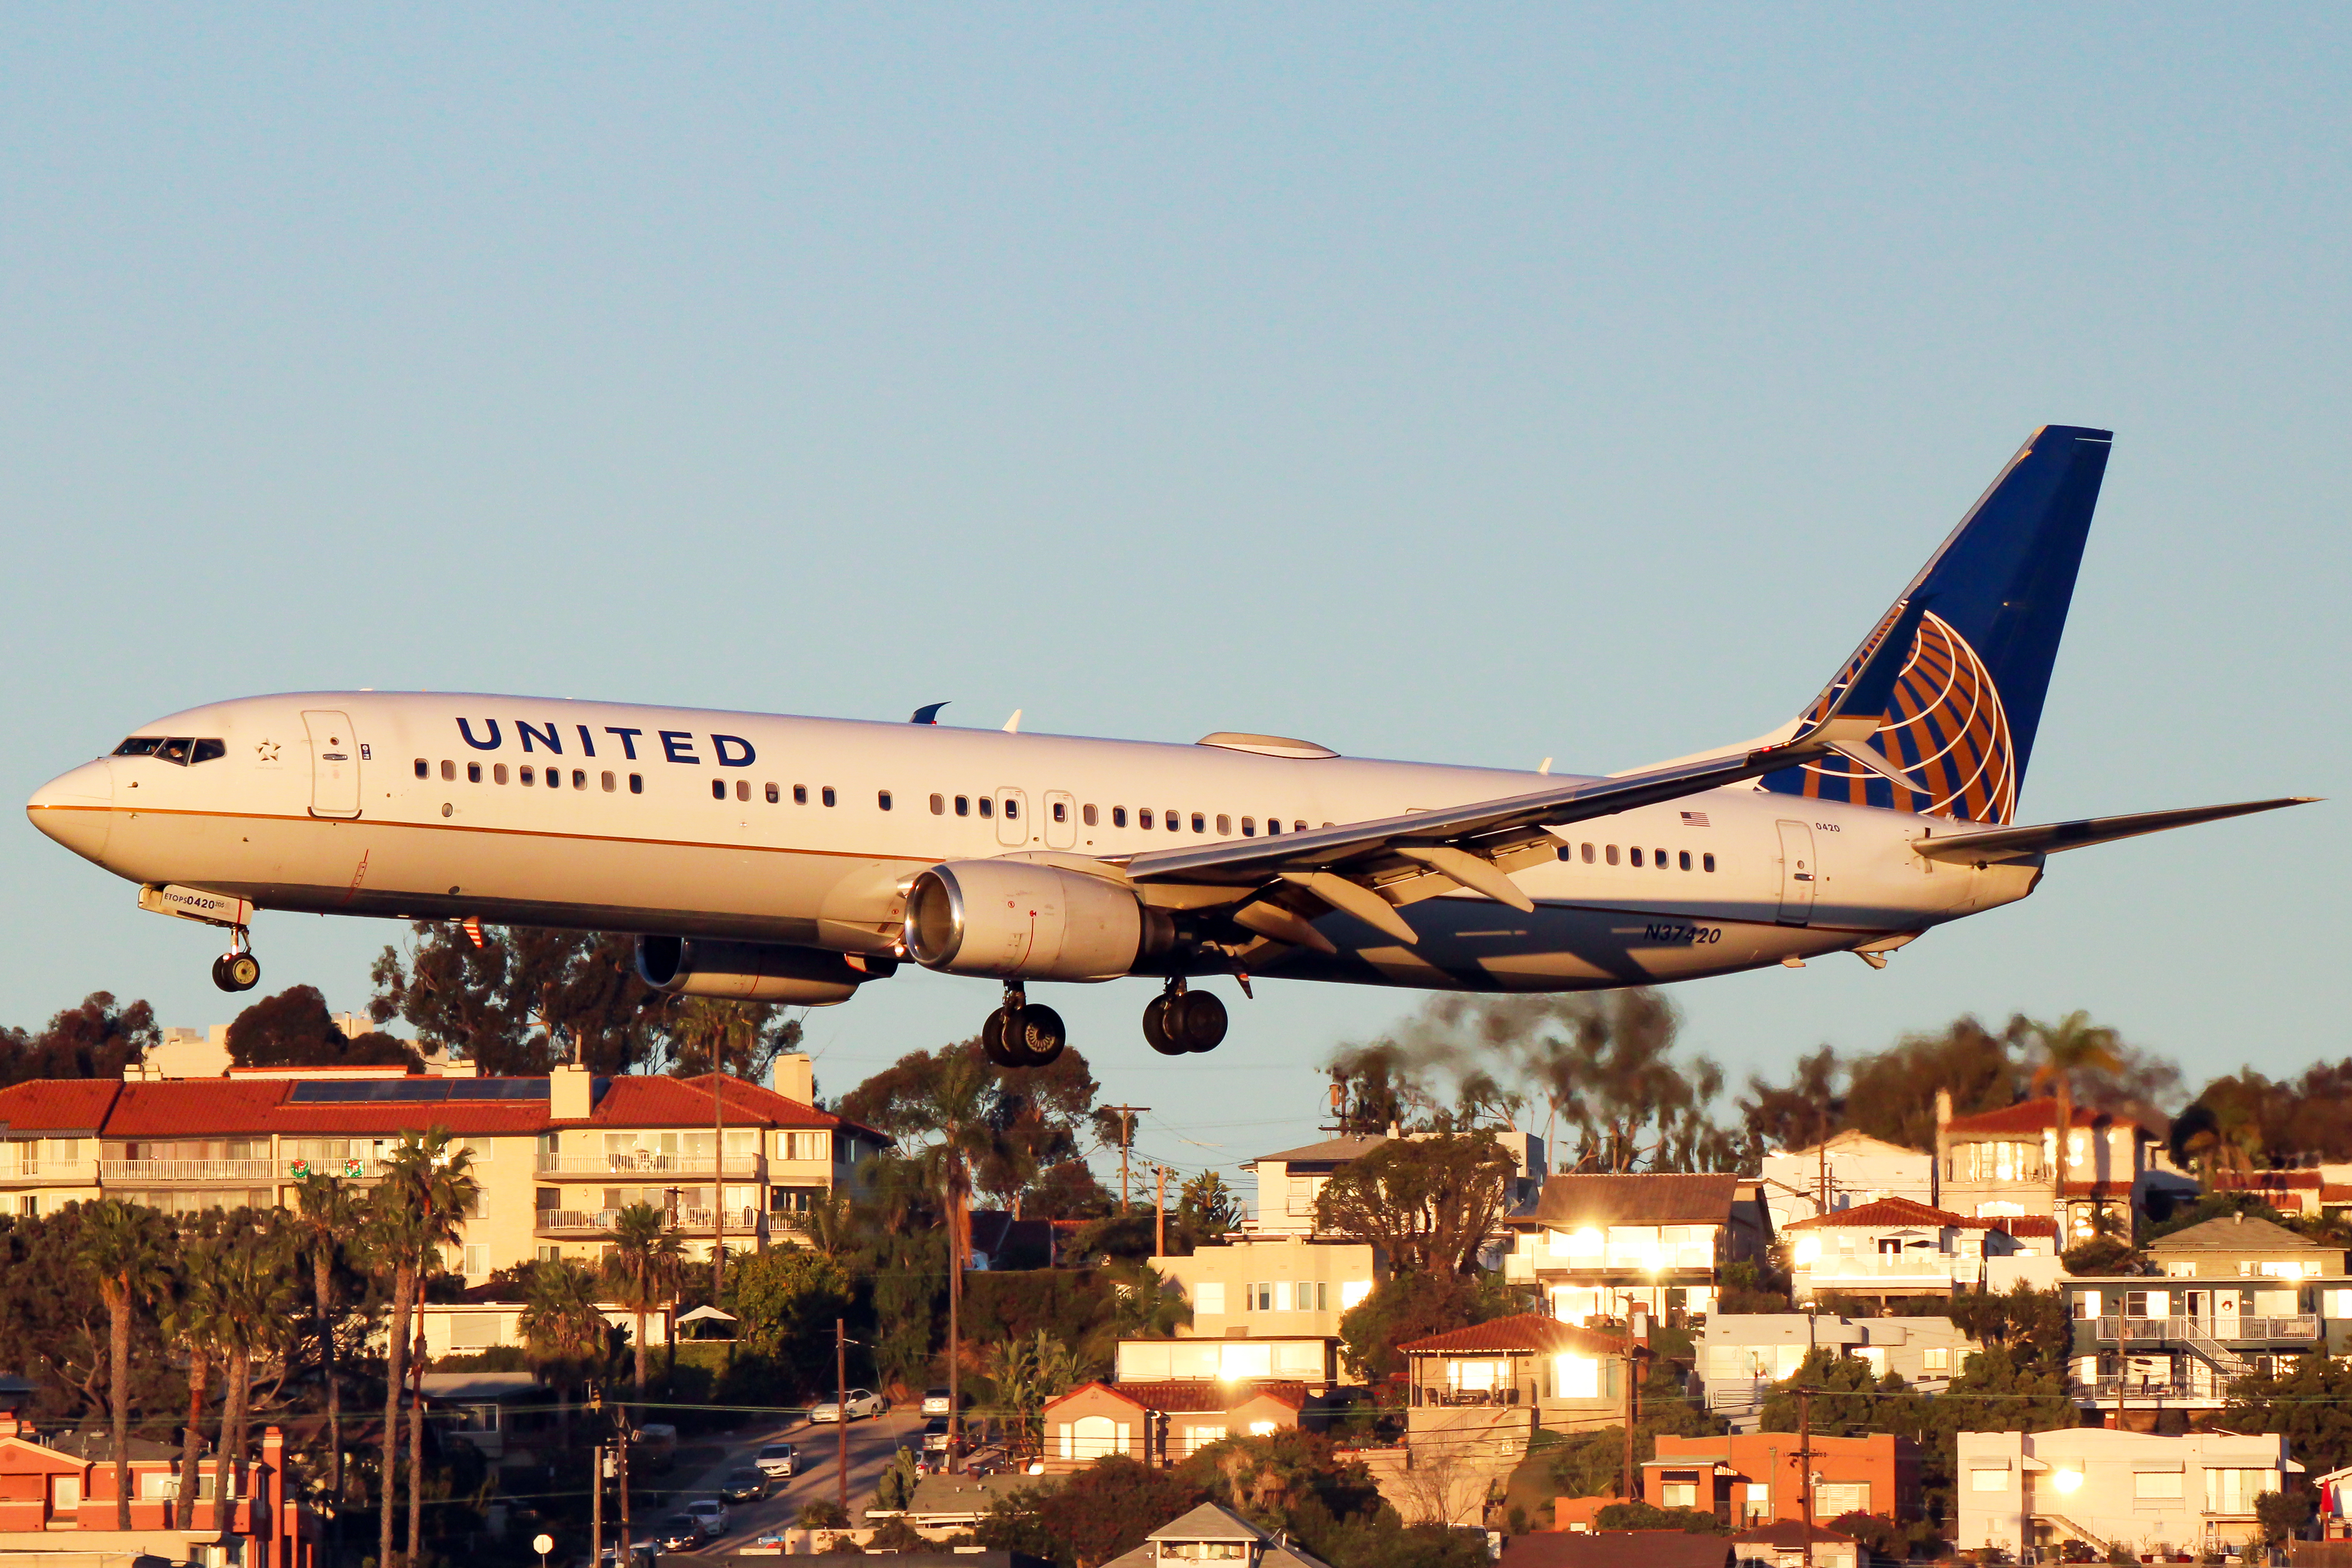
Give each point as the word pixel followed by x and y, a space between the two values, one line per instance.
pixel 1475 384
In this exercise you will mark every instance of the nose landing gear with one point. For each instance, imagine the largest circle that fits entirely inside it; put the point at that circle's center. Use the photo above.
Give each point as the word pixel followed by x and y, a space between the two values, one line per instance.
pixel 1022 1034
pixel 1179 1021
pixel 237 969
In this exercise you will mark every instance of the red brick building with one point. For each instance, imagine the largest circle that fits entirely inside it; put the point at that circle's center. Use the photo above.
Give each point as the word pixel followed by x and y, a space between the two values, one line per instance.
pixel 59 1496
pixel 1756 1477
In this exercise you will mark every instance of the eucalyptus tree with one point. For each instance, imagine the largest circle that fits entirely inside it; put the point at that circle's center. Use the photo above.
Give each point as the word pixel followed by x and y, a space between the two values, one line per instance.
pixel 123 1249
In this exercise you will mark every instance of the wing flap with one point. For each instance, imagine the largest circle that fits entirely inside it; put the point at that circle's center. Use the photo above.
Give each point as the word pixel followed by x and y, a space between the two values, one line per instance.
pixel 2048 838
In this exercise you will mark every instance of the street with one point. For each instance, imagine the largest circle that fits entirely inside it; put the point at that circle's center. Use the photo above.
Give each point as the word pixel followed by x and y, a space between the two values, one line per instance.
pixel 871 1444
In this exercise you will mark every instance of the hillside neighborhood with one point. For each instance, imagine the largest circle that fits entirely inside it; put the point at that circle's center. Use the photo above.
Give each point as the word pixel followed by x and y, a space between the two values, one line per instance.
pixel 293 1291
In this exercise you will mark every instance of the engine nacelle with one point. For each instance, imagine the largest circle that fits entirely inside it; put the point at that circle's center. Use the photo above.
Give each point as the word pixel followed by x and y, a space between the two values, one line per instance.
pixel 755 972
pixel 1016 920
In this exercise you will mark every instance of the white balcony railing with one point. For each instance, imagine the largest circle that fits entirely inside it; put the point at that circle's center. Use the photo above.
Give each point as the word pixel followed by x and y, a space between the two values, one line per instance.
pixel 39 1170
pixel 2185 1330
pixel 645 1162
pixel 1927 1267
pixel 743 1221
pixel 187 1170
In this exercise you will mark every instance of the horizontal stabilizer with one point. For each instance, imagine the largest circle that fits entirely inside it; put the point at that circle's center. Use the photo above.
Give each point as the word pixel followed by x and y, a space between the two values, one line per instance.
pixel 2048 838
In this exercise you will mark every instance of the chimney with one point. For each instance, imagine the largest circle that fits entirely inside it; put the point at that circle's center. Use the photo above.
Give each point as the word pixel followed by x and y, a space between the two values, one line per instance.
pixel 1943 1148
pixel 796 1078
pixel 570 1094
pixel 278 1554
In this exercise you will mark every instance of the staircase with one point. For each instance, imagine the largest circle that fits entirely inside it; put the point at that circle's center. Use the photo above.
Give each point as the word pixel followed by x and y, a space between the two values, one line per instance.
pixel 2226 1362
pixel 2043 1516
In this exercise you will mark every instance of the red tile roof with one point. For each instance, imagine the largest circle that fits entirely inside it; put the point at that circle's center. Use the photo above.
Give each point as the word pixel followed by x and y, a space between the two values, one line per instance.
pixel 2033 1116
pixel 195 1107
pixel 56 1105
pixel 2265 1180
pixel 634 1100
pixel 2040 1224
pixel 1522 1333
pixel 1649 1198
pixel 1188 1395
pixel 1895 1211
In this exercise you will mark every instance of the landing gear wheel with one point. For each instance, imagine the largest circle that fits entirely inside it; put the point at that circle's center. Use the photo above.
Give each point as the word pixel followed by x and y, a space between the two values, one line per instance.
pixel 1196 1020
pixel 1155 1027
pixel 237 972
pixel 993 1043
pixel 1036 1034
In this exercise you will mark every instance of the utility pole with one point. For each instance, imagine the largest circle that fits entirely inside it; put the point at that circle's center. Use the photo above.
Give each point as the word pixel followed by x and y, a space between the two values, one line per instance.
pixel 621 1477
pixel 1127 1115
pixel 841 1409
pixel 1805 1464
pixel 1159 1214
pixel 596 1508
pixel 718 1164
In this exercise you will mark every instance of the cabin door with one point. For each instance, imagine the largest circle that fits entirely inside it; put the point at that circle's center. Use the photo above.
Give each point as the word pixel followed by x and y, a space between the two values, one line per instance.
pixel 334 764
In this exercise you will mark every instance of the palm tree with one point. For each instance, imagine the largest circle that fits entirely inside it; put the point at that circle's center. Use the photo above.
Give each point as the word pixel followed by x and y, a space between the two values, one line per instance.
pixel 259 1295
pixel 2072 1046
pixel 954 1111
pixel 832 1226
pixel 327 1216
pixel 642 1269
pixel 562 1324
pixel 121 1246
pixel 196 1319
pixel 428 1188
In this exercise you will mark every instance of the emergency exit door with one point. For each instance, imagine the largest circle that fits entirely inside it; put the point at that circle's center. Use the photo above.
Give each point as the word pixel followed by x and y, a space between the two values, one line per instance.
pixel 334 764
pixel 1798 871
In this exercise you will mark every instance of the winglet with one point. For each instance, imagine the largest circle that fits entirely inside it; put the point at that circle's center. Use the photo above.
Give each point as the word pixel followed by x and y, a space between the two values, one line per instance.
pixel 928 713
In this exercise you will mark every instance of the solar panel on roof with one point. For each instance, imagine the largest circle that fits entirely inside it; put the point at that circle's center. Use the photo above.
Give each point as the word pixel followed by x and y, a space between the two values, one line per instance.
pixel 412 1090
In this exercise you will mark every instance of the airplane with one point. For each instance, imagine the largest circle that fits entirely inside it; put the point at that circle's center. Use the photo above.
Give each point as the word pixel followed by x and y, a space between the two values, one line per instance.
pixel 797 860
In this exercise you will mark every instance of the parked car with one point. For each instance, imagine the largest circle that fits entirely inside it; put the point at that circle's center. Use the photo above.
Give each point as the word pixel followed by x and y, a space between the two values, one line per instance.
pixel 938 1401
pixel 710 1514
pixel 859 1403
pixel 744 1486
pixel 935 1434
pixel 640 1554
pixel 777 1461
pixel 679 1533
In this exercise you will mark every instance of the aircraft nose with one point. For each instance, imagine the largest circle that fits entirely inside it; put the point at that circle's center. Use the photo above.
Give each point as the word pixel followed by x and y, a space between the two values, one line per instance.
pixel 77 808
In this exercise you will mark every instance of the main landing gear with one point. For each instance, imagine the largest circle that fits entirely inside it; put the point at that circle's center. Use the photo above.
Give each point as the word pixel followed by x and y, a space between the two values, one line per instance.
pixel 1022 1035
pixel 1180 1021
pixel 237 969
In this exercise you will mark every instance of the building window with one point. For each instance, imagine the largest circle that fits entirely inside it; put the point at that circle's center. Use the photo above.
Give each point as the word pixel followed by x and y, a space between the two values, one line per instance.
pixel 1831 1498
pixel 1678 1494
pixel 1936 1358
pixel 2158 1484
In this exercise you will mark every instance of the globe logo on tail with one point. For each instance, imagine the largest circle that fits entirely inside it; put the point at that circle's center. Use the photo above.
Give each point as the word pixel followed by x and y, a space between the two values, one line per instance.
pixel 1945 731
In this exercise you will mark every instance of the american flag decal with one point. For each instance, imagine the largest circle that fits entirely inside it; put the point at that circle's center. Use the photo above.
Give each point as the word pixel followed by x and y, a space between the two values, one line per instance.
pixel 1693 820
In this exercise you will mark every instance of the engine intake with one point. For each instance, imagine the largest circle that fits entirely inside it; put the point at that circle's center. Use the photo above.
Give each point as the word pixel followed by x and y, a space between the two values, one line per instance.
pixel 755 972
pixel 1016 920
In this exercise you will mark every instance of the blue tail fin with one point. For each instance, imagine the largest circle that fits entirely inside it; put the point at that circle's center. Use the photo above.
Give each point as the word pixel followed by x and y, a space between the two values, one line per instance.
pixel 1961 721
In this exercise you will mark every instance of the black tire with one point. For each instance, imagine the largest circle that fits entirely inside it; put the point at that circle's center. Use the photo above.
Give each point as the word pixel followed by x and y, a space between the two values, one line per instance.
pixel 241 971
pixel 1037 1035
pixel 994 1043
pixel 1198 1020
pixel 1155 1027
pixel 220 973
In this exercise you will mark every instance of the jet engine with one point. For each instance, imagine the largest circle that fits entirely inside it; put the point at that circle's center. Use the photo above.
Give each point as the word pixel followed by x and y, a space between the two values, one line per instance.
pixel 755 972
pixel 1016 920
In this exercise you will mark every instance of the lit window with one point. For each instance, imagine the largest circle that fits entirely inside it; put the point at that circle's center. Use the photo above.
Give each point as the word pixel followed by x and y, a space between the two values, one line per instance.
pixel 718 789
pixel 881 798
pixel 1634 854
pixel 1091 817
pixel 608 783
pixel 742 789
pixel 1249 826
pixel 939 805
pixel 1174 819
pixel 423 769
pixel 1685 859
pixel 580 778
pixel 527 775
pixel 448 769
pixel 825 795
pixel 1706 862
pixel 637 783
pixel 498 772
pixel 776 795
pixel 1224 825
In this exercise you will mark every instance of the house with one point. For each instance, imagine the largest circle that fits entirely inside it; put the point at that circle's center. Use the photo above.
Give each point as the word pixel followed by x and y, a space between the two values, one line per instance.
pixel 1615 1549
pixel 1844 1171
pixel 558 1155
pixel 2235 1294
pixel 1741 1355
pixel 2297 1193
pixel 2004 1164
pixel 1894 1248
pixel 1289 1181
pixel 2114 1491
pixel 59 1496
pixel 1534 1370
pixel 1311 1361
pixel 1787 1544
pixel 1214 1533
pixel 1752 1478
pixel 1597 1246
pixel 960 1502
pixel 1161 1422
pixel 1272 1305
pixel 485 1318
pixel 484 1409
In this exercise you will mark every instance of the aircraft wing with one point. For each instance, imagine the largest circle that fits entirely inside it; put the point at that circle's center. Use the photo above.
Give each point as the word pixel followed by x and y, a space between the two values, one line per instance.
pixel 1993 844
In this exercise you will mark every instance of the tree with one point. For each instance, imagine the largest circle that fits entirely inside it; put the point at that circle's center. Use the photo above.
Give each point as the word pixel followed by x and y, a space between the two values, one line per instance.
pixel 1207 1211
pixel 1800 1114
pixel 1639 1515
pixel 1428 1201
pixel 494 1004
pixel 196 1320
pixel 258 1297
pixel 1892 1093
pixel 427 1186
pixel 1034 1117
pixel 1097 1513
pixel 746 1038
pixel 122 1252
pixel 2279 1515
pixel 642 1269
pixel 787 1299
pixel 97 1039
pixel 832 1226
pixel 1029 1374
pixel 561 1323
pixel 329 1218
pixel 294 1028
pixel 2067 1050
pixel 1411 1305
pixel 2308 1402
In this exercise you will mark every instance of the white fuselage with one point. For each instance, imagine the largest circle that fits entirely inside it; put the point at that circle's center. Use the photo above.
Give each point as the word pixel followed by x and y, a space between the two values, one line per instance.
pixel 698 823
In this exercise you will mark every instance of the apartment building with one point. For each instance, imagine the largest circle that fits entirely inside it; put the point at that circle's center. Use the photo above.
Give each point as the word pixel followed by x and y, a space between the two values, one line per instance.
pixel 2005 1164
pixel 1598 1246
pixel 557 1156
pixel 1895 1247
pixel 1844 1171
pixel 1285 1286
pixel 2114 1491
pixel 58 1497
pixel 2231 1296
pixel 1742 1355
pixel 1752 1478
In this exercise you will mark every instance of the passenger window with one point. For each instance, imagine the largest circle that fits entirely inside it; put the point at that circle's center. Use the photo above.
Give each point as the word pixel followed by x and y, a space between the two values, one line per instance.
pixel 1301 827
pixel 939 805
pixel 987 805
pixel 1612 854
pixel 208 749
pixel 776 795
pixel 742 789
pixel 1011 808
pixel 448 769
pixel 580 778
pixel 423 769
pixel 1143 816
pixel 555 778
pixel 1224 825
pixel 498 772
pixel 963 805
pixel 637 783
pixel 528 776
pixel 1118 816
pixel 881 798
pixel 1685 861
pixel 1061 810
pixel 1249 826
pixel 718 789
pixel 825 795
pixel 1707 861
pixel 1200 823
pixel 1174 819
pixel 1588 854
pixel 1273 826
pixel 799 795
pixel 1658 858
pixel 473 772
pixel 1089 815
pixel 1634 854
pixel 608 783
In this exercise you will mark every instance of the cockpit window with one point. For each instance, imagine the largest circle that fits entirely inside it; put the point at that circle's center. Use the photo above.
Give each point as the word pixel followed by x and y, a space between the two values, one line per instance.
pixel 179 750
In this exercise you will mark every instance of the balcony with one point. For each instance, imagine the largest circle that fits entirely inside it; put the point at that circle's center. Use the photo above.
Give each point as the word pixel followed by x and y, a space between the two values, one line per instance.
pixel 2118 1391
pixel 594 1222
pixel 59 1172
pixel 1694 1256
pixel 2187 1330
pixel 137 1171
pixel 1926 1269
pixel 647 1162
